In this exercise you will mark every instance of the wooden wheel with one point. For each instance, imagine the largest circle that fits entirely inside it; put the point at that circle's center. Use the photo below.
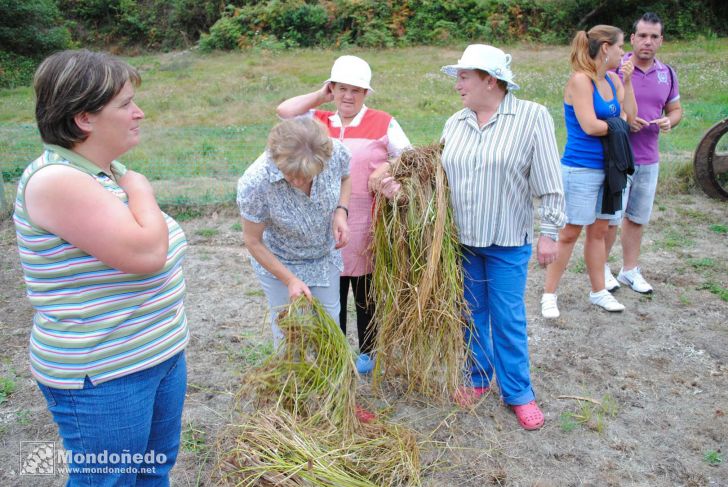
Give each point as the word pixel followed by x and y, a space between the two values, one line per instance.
pixel 711 162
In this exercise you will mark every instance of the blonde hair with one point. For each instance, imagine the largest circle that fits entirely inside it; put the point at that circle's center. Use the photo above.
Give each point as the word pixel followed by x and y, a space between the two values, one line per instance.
pixel 586 45
pixel 300 147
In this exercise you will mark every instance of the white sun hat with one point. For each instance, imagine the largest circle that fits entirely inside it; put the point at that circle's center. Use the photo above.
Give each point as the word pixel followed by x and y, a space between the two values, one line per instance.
pixel 351 70
pixel 486 58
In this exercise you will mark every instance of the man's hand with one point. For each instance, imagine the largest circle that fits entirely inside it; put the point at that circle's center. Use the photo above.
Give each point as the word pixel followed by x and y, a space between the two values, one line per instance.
pixel 547 250
pixel 627 69
pixel 664 124
pixel 638 124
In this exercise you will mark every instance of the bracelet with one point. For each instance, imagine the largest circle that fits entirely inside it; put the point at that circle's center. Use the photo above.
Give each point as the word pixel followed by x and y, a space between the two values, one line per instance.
pixel 346 210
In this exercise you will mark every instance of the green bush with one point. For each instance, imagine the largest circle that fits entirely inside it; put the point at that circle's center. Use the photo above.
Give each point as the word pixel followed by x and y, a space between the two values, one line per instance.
pixel 16 70
pixel 31 28
pixel 302 25
pixel 173 24
pixel 223 35
pixel 372 23
pixel 152 24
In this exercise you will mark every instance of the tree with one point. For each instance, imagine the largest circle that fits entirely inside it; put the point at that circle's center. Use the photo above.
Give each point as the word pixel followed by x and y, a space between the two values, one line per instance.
pixel 32 28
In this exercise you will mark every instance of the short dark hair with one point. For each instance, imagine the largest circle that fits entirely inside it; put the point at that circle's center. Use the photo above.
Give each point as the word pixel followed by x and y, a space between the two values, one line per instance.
pixel 649 18
pixel 502 84
pixel 76 81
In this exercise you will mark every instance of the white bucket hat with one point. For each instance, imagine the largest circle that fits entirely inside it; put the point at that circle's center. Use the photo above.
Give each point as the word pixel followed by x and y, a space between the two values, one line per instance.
pixel 486 58
pixel 351 70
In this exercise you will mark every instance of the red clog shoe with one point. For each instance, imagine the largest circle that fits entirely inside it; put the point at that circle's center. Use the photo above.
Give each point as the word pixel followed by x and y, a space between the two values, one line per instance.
pixel 364 415
pixel 529 415
pixel 467 396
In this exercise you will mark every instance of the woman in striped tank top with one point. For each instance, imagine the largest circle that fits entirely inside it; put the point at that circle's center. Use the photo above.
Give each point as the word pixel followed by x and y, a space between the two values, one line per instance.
pixel 102 266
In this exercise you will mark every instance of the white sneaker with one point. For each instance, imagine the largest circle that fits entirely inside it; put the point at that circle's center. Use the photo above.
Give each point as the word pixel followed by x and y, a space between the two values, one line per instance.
pixel 633 278
pixel 606 301
pixel 549 308
pixel 609 281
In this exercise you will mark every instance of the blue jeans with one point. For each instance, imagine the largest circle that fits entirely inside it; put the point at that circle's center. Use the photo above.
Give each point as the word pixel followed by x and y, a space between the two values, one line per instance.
pixel 126 417
pixel 495 285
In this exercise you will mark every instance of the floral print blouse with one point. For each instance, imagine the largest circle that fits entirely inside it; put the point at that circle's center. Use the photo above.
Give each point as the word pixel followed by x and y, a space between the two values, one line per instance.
pixel 298 228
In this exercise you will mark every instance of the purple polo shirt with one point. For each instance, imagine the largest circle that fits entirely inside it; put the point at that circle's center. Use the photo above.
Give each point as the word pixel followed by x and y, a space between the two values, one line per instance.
pixel 653 90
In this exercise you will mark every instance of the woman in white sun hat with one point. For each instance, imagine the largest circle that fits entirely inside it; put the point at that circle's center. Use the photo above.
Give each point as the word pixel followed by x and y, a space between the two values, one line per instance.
pixel 373 137
pixel 499 152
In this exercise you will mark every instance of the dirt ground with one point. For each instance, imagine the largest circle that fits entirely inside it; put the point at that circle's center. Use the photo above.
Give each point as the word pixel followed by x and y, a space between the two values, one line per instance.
pixel 658 371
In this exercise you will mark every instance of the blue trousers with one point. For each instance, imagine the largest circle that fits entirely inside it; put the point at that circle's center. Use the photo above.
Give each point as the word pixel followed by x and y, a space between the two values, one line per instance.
pixel 495 285
pixel 131 416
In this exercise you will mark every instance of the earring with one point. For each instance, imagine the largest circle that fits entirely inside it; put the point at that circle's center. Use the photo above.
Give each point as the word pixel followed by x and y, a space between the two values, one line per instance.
pixel 606 59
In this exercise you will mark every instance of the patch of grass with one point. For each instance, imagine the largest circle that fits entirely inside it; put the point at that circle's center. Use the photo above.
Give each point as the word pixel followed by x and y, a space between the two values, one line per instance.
pixel 692 214
pixel 673 239
pixel 684 300
pixel 702 263
pixel 579 266
pixel 207 232
pixel 567 423
pixel 194 440
pixel 12 174
pixel 254 353
pixel 236 227
pixel 207 148
pixel 676 174
pixel 186 214
pixel 23 417
pixel 646 298
pixel 716 289
pixel 254 293
pixel 713 458
pixel 718 228
pixel 223 131
pixel 7 387
pixel 591 414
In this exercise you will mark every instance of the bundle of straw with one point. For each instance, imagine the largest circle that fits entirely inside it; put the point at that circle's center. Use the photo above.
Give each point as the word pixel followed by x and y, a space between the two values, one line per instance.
pixel 313 375
pixel 417 281
pixel 276 448
pixel 309 435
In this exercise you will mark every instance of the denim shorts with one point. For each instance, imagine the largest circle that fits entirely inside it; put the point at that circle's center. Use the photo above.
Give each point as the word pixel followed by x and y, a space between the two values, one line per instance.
pixel 583 189
pixel 640 194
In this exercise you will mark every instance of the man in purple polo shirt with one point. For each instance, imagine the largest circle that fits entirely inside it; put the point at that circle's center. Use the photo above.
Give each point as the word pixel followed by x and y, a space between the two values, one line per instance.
pixel 658 110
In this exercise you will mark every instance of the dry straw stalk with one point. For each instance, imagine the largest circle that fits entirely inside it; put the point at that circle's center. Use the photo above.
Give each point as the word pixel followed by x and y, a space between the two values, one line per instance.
pixel 276 448
pixel 417 282
pixel 313 374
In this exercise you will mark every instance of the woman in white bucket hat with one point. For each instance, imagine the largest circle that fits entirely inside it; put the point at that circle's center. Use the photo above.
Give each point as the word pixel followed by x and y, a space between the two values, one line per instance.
pixel 373 137
pixel 499 151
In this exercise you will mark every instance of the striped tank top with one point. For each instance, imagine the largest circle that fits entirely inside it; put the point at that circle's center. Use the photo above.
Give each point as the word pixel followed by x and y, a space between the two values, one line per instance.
pixel 92 320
